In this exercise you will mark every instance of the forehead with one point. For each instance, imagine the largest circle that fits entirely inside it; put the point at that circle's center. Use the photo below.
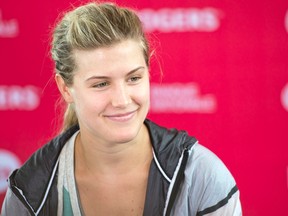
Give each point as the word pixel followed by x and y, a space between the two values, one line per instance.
pixel 119 56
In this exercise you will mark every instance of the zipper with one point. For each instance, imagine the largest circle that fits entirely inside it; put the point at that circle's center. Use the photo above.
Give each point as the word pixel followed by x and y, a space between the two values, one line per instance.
pixel 178 180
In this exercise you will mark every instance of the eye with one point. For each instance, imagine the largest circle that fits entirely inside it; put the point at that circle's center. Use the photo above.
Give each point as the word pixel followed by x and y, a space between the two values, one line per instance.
pixel 134 79
pixel 100 85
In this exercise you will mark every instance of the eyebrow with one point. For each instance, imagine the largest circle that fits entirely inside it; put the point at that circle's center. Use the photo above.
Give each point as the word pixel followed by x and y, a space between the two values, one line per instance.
pixel 105 77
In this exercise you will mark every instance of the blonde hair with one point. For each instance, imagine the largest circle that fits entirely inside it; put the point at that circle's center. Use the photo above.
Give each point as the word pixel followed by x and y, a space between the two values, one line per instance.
pixel 89 27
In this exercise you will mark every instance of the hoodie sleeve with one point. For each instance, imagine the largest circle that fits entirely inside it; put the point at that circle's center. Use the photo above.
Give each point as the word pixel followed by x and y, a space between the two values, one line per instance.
pixel 13 206
pixel 208 188
pixel 231 208
pixel 213 185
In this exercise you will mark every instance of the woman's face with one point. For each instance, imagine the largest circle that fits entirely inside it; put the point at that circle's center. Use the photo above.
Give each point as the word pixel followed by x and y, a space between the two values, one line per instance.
pixel 110 92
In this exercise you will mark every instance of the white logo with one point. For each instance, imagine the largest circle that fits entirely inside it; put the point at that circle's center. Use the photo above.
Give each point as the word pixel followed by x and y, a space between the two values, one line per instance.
pixel 287 176
pixel 286 21
pixel 284 97
pixel 8 162
pixel 180 19
pixel 181 98
pixel 8 28
pixel 19 98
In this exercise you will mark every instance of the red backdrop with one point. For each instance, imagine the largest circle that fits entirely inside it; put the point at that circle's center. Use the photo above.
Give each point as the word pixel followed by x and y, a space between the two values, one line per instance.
pixel 225 66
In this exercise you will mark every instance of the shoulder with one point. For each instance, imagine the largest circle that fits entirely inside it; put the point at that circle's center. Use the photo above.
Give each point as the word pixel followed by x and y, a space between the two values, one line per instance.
pixel 203 162
pixel 164 139
pixel 36 175
pixel 168 145
pixel 209 180
pixel 13 206
pixel 43 160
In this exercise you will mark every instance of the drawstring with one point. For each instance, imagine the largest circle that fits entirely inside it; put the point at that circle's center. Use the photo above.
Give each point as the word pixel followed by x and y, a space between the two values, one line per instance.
pixel 178 181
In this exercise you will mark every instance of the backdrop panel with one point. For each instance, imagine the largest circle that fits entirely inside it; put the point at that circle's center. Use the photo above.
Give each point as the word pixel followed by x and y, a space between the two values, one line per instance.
pixel 225 81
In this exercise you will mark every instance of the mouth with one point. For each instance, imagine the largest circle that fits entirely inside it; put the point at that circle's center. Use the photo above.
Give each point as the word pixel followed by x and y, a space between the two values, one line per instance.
pixel 121 117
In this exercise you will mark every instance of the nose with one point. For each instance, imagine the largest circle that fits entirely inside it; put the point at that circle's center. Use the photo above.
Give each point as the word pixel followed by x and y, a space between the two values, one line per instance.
pixel 121 96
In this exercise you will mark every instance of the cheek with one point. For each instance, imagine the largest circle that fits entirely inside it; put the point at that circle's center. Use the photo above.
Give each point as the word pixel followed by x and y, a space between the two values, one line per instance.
pixel 143 93
pixel 86 103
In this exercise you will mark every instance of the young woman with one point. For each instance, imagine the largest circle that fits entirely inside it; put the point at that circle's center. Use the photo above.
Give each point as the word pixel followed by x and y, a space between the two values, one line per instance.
pixel 109 159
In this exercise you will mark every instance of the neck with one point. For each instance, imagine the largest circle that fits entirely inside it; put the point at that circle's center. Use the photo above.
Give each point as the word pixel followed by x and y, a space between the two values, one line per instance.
pixel 116 158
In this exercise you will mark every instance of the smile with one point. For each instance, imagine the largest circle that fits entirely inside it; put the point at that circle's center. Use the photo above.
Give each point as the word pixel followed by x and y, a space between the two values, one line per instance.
pixel 121 117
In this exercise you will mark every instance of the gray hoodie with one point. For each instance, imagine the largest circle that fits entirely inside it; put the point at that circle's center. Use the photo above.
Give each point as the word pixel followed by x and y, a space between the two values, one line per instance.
pixel 185 178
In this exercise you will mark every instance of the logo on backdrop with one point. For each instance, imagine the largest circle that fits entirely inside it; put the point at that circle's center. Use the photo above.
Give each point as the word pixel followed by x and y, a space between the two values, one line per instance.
pixel 8 28
pixel 181 98
pixel 284 97
pixel 181 19
pixel 19 98
pixel 8 162
pixel 286 21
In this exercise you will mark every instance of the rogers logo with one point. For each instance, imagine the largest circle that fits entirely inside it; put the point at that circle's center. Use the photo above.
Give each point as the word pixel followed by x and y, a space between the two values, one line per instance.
pixel 19 98
pixel 180 19
pixel 8 162
pixel 284 97
pixel 8 28
pixel 181 98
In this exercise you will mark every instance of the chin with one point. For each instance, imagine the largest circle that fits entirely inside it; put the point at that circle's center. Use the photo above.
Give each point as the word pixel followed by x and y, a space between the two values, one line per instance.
pixel 125 138
pixel 126 135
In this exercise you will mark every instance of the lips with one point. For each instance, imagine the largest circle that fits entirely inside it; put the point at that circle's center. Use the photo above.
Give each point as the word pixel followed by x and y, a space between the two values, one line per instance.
pixel 121 117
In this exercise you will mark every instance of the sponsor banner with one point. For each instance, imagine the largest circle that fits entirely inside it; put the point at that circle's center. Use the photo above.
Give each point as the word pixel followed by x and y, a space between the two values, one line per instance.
pixel 181 19
pixel 181 98
pixel 224 80
pixel 19 98
pixel 8 28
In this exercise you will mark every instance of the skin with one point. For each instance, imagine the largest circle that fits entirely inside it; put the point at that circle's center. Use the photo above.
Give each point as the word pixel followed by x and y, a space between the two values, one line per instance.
pixel 110 93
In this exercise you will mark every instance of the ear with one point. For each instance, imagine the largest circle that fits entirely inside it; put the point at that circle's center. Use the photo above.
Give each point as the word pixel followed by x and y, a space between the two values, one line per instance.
pixel 64 89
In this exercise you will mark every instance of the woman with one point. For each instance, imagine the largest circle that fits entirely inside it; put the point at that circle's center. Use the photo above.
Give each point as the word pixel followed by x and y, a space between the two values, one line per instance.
pixel 110 159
